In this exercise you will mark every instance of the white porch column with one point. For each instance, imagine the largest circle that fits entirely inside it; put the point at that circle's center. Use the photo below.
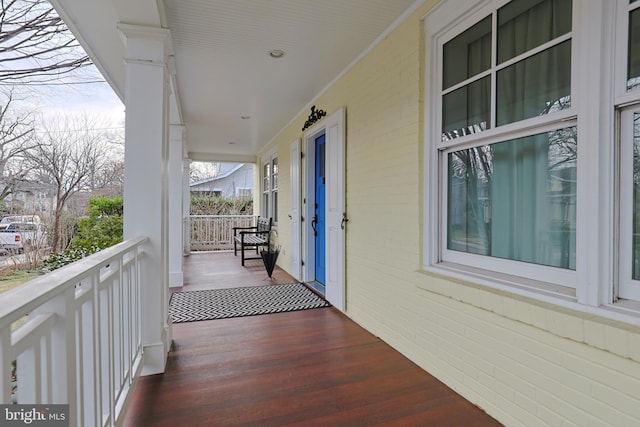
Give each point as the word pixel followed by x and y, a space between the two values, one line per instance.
pixel 146 186
pixel 186 207
pixel 176 200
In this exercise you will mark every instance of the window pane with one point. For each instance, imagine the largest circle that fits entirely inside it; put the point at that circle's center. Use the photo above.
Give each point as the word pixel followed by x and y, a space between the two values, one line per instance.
pixel 275 206
pixel 468 54
pixel 274 181
pixel 266 177
pixel 469 209
pixel 322 156
pixel 535 86
pixel 526 24
pixel 633 68
pixel 636 197
pixel 516 199
pixel 466 110
pixel 265 205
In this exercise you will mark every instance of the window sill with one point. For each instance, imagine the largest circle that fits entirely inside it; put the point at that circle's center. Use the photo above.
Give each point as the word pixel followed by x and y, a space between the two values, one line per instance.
pixel 555 309
pixel 503 282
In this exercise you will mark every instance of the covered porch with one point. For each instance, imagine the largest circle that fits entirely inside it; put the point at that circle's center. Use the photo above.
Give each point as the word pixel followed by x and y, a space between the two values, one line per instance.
pixel 246 82
pixel 310 367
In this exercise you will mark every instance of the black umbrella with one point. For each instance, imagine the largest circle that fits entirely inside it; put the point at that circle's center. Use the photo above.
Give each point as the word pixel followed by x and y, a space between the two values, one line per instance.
pixel 269 258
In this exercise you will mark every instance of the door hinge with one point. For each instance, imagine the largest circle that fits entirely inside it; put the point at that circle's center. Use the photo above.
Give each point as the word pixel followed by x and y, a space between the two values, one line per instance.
pixel 301 155
pixel 301 262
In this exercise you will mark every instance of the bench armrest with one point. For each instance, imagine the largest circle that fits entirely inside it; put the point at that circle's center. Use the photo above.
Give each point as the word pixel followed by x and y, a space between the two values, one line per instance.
pixel 235 229
pixel 253 232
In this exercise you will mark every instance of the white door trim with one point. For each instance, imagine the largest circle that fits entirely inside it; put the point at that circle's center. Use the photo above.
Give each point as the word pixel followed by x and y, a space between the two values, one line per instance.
pixel 296 204
pixel 333 127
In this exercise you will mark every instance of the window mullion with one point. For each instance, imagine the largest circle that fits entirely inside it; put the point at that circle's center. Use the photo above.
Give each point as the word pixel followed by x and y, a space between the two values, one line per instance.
pixel 494 60
pixel 595 175
pixel 466 82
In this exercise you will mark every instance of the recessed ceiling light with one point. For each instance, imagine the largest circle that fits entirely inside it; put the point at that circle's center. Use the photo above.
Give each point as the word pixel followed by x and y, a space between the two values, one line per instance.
pixel 231 142
pixel 276 53
pixel 245 117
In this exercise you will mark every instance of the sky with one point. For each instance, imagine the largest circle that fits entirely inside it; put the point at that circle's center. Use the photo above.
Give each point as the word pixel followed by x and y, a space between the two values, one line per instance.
pixel 92 98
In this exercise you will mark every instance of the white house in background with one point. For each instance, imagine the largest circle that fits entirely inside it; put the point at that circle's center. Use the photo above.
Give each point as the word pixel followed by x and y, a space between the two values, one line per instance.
pixel 31 198
pixel 234 180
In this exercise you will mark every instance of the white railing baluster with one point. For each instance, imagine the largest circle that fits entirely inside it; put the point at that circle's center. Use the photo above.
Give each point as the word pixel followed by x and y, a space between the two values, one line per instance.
pixel 27 392
pixel 80 371
pixel 46 357
pixel 113 349
pixel 38 374
pixel 5 365
pixel 81 341
pixel 98 369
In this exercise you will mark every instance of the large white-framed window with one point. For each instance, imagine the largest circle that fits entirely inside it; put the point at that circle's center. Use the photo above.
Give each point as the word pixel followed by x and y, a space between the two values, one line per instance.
pixel 628 101
pixel 525 102
pixel 269 174
pixel 630 203
pixel 507 148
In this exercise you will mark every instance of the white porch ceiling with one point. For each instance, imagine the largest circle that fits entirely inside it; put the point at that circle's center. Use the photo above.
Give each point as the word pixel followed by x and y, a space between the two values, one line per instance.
pixel 223 69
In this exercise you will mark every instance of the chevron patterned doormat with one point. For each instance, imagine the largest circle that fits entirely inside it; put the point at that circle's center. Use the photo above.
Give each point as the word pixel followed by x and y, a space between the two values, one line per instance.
pixel 212 304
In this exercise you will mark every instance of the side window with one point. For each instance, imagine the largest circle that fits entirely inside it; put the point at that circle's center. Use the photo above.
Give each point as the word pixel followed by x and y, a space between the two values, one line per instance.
pixel 270 187
pixel 266 189
pixel 630 204
pixel 274 189
pixel 633 48
pixel 629 147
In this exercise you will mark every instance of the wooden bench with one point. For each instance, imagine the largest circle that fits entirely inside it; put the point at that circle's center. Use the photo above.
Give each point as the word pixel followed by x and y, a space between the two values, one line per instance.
pixel 251 237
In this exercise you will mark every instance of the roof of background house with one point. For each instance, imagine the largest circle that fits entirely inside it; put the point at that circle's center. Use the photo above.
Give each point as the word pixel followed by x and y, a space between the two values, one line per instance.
pixel 223 174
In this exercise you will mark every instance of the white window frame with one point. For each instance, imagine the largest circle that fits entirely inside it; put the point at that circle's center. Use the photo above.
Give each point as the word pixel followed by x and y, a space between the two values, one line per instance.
pixel 270 210
pixel 594 23
pixel 628 288
pixel 627 105
pixel 623 97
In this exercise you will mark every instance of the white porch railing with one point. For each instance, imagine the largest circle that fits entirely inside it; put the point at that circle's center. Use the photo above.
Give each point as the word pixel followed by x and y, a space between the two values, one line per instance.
pixel 215 232
pixel 80 341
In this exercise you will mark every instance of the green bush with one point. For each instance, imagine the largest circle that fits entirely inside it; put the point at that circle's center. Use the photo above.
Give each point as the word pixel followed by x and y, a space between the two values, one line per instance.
pixel 101 228
pixel 60 259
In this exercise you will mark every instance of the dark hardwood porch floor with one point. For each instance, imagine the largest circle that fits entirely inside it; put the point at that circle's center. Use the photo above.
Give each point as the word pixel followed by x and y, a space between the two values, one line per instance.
pixel 306 368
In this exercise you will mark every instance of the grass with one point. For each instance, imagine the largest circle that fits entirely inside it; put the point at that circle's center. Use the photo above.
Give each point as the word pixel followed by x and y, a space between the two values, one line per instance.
pixel 11 278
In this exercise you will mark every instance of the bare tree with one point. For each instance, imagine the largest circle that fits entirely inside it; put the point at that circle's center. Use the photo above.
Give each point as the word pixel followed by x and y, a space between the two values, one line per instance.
pixel 203 170
pixel 72 151
pixel 35 44
pixel 16 138
pixel 109 181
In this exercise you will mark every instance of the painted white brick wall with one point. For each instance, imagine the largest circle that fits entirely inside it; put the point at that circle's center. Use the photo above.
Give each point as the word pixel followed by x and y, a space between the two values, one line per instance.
pixel 525 362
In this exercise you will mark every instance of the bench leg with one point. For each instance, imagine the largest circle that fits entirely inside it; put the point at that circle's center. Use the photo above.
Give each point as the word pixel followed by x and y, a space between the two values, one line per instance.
pixel 242 254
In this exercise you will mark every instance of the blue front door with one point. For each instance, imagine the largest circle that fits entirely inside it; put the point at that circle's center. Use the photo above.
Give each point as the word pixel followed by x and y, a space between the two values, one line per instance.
pixel 319 219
